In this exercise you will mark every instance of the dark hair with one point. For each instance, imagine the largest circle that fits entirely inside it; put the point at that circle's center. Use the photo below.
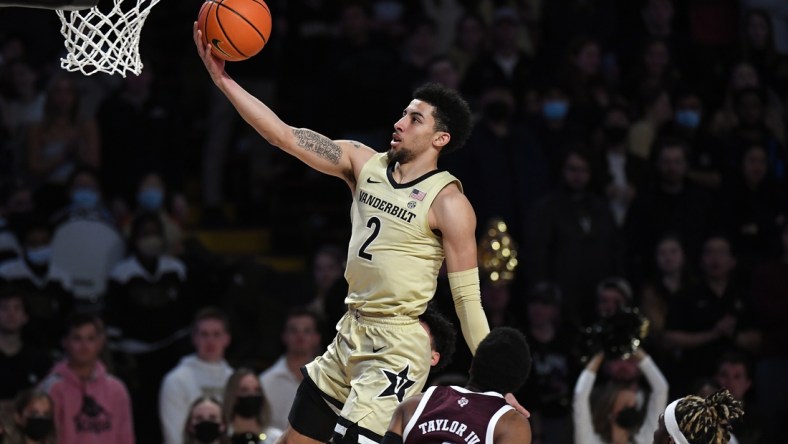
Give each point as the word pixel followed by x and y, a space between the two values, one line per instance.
pixel 452 113
pixel 736 357
pixel 22 400
pixel 139 221
pixel 231 389
pixel 708 421
pixel 77 320
pixel 84 169
pixel 13 291
pixel 444 335
pixel 301 311
pixel 502 361
pixel 213 313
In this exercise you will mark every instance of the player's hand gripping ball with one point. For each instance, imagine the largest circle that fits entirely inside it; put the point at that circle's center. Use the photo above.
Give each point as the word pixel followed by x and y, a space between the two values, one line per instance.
pixel 236 29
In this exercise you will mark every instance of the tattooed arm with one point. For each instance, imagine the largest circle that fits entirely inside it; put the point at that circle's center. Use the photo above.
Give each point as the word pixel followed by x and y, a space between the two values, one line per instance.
pixel 343 159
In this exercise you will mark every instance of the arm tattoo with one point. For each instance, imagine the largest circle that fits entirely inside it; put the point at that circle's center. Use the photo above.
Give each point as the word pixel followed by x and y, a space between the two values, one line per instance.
pixel 320 145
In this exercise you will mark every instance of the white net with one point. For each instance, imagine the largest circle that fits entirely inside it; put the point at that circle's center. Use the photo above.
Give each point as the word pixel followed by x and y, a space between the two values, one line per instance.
pixel 105 41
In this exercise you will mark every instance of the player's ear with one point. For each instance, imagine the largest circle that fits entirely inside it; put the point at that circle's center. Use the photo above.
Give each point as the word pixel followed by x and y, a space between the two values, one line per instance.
pixel 436 358
pixel 441 139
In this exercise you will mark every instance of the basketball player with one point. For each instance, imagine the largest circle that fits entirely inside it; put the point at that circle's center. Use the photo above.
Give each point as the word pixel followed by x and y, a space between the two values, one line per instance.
pixel 695 420
pixel 477 412
pixel 406 217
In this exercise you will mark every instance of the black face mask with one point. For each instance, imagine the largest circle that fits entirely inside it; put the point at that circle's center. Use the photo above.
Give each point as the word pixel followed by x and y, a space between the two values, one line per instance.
pixel 616 134
pixel 37 428
pixel 497 111
pixel 206 431
pixel 628 418
pixel 249 406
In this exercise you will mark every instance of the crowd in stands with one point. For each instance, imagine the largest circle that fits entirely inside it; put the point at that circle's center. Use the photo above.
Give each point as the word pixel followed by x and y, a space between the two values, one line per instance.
pixel 635 149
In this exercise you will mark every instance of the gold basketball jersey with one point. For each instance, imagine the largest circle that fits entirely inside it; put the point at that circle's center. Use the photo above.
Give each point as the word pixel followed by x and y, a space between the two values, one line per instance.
pixel 393 255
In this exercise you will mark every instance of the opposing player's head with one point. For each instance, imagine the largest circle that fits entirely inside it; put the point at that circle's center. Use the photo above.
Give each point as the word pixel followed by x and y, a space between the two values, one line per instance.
pixel 446 115
pixel 502 361
pixel 696 420
pixel 443 337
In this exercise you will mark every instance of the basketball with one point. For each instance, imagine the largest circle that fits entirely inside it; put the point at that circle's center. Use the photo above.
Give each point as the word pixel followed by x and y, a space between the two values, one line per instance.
pixel 236 29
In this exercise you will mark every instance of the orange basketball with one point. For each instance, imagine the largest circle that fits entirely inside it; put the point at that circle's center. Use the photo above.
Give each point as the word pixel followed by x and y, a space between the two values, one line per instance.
pixel 236 29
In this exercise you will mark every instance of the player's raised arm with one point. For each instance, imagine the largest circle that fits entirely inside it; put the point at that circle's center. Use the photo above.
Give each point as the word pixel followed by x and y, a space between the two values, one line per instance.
pixel 343 159
pixel 453 216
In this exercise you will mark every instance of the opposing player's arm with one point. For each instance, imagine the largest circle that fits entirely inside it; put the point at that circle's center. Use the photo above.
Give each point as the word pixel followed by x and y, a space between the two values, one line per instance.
pixel 451 214
pixel 342 159
pixel 401 416
pixel 512 428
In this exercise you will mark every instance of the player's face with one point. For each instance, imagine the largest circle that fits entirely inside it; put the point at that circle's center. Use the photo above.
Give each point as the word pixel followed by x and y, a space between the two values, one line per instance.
pixel 12 315
pixel 414 133
pixel 83 345
pixel 210 340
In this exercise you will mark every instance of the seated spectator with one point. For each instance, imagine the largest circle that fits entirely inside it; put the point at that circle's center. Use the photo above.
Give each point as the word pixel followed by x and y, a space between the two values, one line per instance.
pixel 91 406
pixel 734 373
pixel 696 420
pixel 204 373
pixel 33 419
pixel 655 112
pixel 615 416
pixel 150 285
pixel 713 316
pixel 15 209
pixel 328 268
pixel 21 365
pixel 243 413
pixel 470 41
pixel 152 197
pixel 496 297
pixel 301 338
pixel 612 295
pixel 86 201
pixel 47 288
pixel 21 105
pixel 204 423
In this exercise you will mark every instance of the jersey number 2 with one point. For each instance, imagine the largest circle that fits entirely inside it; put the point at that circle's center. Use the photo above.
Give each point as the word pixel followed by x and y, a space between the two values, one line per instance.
pixel 373 223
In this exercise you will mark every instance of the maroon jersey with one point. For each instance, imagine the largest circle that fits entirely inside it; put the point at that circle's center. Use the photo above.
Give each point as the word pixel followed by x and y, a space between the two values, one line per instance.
pixel 454 415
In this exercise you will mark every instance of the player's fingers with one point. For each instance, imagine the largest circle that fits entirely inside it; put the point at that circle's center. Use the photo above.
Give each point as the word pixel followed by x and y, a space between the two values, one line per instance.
pixel 512 401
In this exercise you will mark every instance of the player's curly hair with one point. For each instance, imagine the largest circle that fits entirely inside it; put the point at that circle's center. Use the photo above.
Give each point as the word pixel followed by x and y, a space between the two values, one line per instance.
pixel 708 421
pixel 452 113
pixel 444 335
pixel 502 362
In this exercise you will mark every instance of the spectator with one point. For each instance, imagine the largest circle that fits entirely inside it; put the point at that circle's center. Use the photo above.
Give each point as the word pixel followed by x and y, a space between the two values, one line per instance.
pixel 573 239
pixel 612 295
pixel 48 289
pixel 150 285
pixel 152 196
pixel 21 105
pixel 9 245
pixel 585 85
pixel 557 128
pixel 548 391
pixel 62 140
pixel 301 338
pixel 470 41
pixel 21 365
pixel 714 316
pixel 757 45
pixel 618 174
pixel 91 406
pixel 202 374
pixel 204 423
pixel 443 70
pixel 615 417
pixel 655 70
pixel 768 292
pixel 243 412
pixel 496 298
pixel 328 268
pixel 33 419
pixel 86 199
pixel 656 111
pixel 734 373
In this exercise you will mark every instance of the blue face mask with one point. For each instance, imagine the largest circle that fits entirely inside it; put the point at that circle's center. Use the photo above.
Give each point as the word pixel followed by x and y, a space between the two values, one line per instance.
pixel 688 118
pixel 39 255
pixel 85 198
pixel 555 109
pixel 150 198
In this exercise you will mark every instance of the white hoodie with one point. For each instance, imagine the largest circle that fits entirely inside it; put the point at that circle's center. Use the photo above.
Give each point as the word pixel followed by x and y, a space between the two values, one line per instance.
pixel 189 380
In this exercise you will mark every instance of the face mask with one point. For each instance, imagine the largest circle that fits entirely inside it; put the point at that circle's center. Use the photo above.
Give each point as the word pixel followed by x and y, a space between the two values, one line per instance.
pixel 628 418
pixel 37 428
pixel 150 198
pixel 150 246
pixel 616 134
pixel 688 118
pixel 555 109
pixel 497 111
pixel 249 406
pixel 85 198
pixel 39 255
pixel 207 431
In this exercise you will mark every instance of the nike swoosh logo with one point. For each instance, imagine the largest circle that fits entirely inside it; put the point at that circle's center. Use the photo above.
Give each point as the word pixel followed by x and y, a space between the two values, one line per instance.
pixel 215 43
pixel 369 180
pixel 375 350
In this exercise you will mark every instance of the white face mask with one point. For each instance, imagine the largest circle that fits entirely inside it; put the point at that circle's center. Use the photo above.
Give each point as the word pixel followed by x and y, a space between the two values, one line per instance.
pixel 150 246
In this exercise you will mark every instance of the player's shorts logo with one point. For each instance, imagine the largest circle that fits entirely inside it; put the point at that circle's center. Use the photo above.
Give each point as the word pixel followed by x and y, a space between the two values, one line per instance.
pixel 398 383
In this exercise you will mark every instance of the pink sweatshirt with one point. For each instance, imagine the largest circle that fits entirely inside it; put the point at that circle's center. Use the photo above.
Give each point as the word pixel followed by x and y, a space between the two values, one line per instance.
pixel 93 411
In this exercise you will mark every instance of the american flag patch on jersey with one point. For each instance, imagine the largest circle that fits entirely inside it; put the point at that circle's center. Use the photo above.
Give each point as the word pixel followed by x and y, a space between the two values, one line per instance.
pixel 418 195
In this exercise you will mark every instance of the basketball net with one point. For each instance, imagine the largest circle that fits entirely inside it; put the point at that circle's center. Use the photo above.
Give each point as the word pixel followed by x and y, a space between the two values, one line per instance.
pixel 105 42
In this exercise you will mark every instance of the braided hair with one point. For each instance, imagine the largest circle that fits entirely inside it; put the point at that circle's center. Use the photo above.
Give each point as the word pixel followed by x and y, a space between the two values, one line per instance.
pixel 708 421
